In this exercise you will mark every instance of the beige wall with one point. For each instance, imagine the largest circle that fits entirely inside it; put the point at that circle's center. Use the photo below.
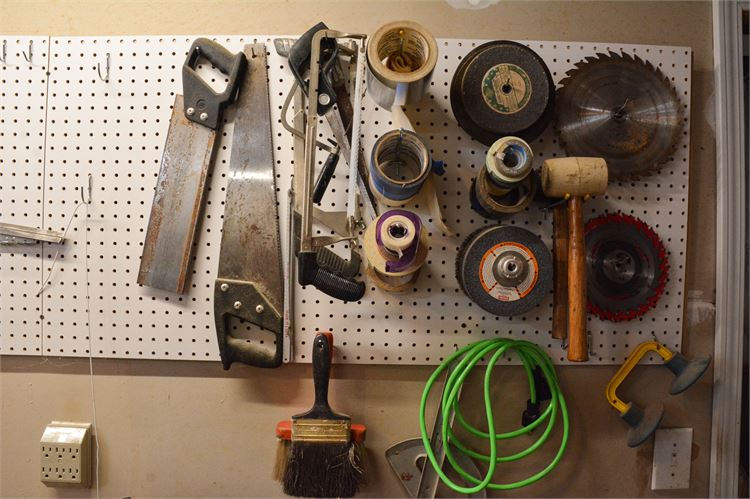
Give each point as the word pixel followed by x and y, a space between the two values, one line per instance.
pixel 190 429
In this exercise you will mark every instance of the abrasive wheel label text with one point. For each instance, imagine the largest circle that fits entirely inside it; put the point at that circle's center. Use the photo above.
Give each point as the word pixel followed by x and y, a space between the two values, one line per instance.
pixel 506 88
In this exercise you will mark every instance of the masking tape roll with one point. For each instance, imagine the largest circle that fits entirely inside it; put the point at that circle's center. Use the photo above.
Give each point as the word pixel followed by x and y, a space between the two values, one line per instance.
pixel 401 57
pixel 398 233
pixel 392 269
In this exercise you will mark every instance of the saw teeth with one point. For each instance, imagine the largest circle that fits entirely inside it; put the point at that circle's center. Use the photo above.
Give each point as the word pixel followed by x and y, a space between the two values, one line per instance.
pixel 663 263
pixel 627 58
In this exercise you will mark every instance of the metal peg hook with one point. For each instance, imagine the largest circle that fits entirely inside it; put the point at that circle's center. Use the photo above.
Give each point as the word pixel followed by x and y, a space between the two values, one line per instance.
pixel 104 78
pixel 30 56
pixel 87 198
pixel 4 52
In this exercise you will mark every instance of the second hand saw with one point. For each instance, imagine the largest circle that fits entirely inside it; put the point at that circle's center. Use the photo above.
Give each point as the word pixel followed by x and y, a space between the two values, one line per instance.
pixel 249 285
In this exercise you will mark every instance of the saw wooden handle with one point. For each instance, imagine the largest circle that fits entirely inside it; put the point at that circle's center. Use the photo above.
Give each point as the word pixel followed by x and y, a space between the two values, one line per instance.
pixel 577 341
pixel 560 273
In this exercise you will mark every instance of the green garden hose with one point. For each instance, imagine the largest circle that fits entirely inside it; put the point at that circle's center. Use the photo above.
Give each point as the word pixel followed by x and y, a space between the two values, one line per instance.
pixel 465 359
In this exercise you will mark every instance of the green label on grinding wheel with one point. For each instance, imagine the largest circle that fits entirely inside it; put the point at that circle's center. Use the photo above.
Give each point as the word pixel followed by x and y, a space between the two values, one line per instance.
pixel 506 88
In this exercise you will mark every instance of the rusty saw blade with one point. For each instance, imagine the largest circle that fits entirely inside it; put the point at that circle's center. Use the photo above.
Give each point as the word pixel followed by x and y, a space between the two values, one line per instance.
pixel 249 285
pixel 188 154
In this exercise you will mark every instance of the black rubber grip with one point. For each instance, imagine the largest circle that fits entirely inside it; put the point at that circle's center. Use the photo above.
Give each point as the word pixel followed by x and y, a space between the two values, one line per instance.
pixel 335 286
pixel 202 104
pixel 324 178
pixel 216 54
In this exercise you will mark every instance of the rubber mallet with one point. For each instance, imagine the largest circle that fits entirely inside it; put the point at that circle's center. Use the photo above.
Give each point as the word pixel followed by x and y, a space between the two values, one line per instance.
pixel 575 179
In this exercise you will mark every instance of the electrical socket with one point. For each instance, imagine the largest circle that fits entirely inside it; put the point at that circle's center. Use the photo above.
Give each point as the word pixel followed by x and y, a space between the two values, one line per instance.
pixel 65 457
pixel 672 457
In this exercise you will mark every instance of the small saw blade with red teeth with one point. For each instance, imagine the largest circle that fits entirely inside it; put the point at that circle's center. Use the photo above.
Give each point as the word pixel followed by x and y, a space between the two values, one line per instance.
pixel 626 265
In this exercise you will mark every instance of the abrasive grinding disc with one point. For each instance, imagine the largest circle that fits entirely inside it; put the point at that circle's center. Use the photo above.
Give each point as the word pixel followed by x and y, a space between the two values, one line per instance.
pixel 505 270
pixel 502 88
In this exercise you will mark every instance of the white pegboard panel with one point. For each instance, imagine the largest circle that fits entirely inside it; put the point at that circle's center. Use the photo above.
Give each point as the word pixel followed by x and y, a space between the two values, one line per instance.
pixel 116 130
pixel 23 97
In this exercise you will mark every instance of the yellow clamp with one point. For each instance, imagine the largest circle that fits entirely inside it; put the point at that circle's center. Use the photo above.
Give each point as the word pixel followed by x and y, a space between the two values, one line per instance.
pixel 630 363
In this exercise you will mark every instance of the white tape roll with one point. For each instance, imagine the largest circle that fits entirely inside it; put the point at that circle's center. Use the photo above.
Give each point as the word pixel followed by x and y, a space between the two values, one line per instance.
pixel 401 57
pixel 398 233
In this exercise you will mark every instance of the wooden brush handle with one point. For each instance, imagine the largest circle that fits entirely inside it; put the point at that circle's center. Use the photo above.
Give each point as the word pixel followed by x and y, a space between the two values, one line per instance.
pixel 560 273
pixel 577 341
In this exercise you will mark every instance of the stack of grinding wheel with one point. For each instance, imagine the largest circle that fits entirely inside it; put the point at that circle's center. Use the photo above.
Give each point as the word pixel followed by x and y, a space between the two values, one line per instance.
pixel 502 89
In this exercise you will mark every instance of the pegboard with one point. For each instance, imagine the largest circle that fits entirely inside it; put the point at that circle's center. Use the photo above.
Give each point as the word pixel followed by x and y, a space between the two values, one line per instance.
pixel 115 131
pixel 23 98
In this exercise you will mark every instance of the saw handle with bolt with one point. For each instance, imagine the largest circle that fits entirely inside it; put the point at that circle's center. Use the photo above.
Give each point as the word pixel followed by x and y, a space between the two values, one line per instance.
pixel 202 104
pixel 574 179
pixel 243 300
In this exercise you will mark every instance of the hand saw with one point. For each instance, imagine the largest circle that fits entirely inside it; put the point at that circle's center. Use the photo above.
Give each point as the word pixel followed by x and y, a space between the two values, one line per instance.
pixel 188 154
pixel 249 285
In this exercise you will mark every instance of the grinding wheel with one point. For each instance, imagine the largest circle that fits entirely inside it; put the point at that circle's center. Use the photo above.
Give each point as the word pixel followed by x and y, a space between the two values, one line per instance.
pixel 502 88
pixel 505 270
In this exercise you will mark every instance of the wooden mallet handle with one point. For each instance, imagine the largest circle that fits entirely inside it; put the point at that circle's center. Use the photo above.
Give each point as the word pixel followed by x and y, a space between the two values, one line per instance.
pixel 560 273
pixel 578 350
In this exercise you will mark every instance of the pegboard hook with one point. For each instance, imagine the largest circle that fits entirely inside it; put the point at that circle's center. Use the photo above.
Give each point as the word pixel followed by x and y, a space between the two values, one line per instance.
pixel 87 198
pixel 30 56
pixel 4 52
pixel 104 78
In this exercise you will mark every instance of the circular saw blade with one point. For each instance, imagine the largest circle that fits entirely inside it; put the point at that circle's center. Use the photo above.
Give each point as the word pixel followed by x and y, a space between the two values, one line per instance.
pixel 622 109
pixel 627 267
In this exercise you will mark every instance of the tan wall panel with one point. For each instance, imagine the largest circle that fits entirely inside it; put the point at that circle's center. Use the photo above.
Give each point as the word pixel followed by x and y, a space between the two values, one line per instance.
pixel 190 429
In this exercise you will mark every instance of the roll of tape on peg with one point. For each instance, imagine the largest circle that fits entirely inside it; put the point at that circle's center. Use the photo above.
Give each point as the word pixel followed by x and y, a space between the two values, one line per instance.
pixel 395 246
pixel 507 182
pixel 399 166
pixel 401 57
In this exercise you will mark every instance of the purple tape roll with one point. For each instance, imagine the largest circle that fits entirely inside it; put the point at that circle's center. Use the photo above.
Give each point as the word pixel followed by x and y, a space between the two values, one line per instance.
pixel 410 254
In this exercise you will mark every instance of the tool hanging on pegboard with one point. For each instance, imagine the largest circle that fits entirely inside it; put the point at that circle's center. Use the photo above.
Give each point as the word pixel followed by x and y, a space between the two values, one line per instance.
pixel 643 422
pixel 627 267
pixel 310 270
pixel 335 103
pixel 621 108
pixel 186 162
pixel 396 246
pixel 400 164
pixel 507 182
pixel 249 283
pixel 11 234
pixel 502 88
pixel 505 270
pixel 574 179
pixel 401 57
pixel 320 453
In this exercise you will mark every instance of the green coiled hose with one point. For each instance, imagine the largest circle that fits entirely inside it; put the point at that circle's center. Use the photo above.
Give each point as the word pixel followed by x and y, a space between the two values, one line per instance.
pixel 466 359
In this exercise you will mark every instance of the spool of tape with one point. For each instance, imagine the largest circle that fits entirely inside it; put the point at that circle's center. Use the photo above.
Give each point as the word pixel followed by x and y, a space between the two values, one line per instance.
pixel 492 201
pixel 401 57
pixel 399 166
pixel 395 246
pixel 509 161
pixel 398 233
